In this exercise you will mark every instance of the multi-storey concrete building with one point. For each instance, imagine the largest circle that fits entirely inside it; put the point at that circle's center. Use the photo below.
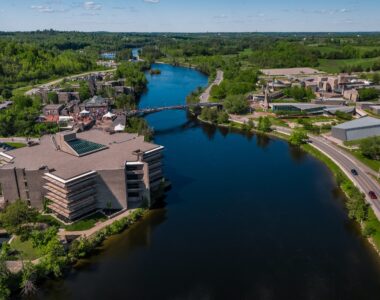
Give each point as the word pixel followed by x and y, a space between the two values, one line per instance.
pixel 80 173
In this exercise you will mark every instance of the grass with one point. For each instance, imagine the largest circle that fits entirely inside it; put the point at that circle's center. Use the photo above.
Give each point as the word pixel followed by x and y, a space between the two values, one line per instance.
pixel 335 65
pixel 25 249
pixel 373 223
pixel 16 145
pixel 86 223
pixel 371 163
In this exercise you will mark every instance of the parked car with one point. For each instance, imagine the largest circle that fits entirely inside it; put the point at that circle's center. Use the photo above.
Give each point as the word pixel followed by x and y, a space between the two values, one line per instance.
pixel 354 172
pixel 372 195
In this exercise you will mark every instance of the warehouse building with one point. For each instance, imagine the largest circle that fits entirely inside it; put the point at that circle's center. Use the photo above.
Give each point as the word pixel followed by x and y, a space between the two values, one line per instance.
pixel 79 173
pixel 357 129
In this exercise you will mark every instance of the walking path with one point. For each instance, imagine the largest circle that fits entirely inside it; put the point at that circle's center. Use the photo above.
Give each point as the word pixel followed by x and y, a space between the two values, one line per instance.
pixel 218 80
pixel 96 228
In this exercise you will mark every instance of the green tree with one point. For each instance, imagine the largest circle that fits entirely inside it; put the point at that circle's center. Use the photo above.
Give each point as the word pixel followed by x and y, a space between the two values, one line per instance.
pixel 264 124
pixel 126 102
pixel 298 137
pixel 16 214
pixel 370 147
pixel 52 97
pixel 368 94
pixel 376 78
pixel 223 117
pixel 6 94
pixel 236 104
pixel 84 91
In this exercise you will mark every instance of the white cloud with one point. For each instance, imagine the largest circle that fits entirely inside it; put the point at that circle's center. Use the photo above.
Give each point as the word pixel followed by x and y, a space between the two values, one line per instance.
pixel 222 16
pixel 90 5
pixel 42 8
pixel 152 1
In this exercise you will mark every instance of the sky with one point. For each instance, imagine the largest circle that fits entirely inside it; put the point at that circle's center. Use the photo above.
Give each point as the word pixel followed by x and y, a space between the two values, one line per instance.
pixel 191 15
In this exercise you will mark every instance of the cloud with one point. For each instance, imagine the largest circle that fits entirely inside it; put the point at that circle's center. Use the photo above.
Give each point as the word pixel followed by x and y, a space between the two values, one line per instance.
pixel 42 8
pixel 152 1
pixel 90 5
pixel 222 16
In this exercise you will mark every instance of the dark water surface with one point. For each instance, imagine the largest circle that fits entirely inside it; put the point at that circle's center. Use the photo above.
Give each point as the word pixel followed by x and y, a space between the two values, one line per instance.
pixel 247 218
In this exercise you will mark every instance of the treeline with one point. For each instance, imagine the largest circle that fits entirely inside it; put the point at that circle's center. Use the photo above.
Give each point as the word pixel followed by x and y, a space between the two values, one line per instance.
pixel 29 63
pixel 21 119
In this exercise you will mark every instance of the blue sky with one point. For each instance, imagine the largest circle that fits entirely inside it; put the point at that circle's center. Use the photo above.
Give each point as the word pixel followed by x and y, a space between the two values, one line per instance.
pixel 190 15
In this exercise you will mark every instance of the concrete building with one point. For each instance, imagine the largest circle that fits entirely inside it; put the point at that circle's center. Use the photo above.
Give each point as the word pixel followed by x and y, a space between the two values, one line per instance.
pixel 357 129
pixel 52 109
pixel 329 101
pixel 66 97
pixel 81 173
pixel 375 109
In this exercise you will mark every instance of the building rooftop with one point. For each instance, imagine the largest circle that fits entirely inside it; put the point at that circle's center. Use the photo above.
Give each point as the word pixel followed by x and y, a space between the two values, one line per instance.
pixel 360 123
pixel 290 71
pixel 120 148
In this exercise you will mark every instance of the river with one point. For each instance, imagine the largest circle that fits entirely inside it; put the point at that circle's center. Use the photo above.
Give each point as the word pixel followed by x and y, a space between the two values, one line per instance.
pixel 247 217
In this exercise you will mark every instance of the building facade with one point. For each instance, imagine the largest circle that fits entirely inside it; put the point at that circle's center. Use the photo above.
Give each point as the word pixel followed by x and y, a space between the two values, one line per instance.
pixel 76 174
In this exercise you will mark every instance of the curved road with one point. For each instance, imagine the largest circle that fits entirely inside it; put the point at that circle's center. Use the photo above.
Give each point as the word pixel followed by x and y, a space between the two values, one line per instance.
pixel 218 80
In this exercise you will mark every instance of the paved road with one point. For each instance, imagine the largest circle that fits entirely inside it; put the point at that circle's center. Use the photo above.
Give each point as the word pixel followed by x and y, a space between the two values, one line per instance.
pixel 218 80
pixel 364 181
pixel 54 82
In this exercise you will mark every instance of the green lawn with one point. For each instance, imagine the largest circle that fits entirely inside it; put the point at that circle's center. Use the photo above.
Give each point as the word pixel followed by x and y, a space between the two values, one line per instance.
pixel 335 65
pixel 373 164
pixel 86 223
pixel 16 145
pixel 25 249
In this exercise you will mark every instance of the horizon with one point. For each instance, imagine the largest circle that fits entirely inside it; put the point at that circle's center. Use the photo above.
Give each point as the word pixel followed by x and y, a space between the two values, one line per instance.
pixel 169 16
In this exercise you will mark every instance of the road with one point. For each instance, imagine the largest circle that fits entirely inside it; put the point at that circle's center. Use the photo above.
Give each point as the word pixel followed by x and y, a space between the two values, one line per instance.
pixel 54 82
pixel 218 80
pixel 364 181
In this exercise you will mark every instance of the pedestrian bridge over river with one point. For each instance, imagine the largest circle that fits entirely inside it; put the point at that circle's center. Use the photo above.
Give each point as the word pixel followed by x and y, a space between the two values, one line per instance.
pixel 150 110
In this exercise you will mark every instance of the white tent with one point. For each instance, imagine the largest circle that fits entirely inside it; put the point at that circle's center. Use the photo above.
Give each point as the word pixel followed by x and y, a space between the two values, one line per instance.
pixel 119 128
pixel 84 112
pixel 108 115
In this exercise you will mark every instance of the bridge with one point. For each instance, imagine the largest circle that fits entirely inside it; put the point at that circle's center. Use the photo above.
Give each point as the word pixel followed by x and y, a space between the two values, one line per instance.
pixel 151 110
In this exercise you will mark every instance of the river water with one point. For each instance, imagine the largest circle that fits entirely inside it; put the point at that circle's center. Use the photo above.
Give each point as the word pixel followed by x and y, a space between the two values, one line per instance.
pixel 247 217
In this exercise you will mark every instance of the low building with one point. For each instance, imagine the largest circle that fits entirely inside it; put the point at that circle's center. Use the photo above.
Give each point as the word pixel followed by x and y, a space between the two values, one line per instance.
pixel 298 107
pixel 351 95
pixel 52 109
pixel 375 109
pixel 66 97
pixel 357 129
pixel 96 105
pixel 330 101
pixel 81 173
pixel 365 105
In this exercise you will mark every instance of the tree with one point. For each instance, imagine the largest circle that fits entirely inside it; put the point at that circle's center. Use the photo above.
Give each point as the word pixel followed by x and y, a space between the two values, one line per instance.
pixel 298 137
pixel 376 78
pixel 223 117
pixel 370 147
pixel 52 97
pixel 4 280
pixel 6 94
pixel 27 285
pixel 126 102
pixel 16 214
pixel 368 94
pixel 236 104
pixel 264 124
pixel 84 91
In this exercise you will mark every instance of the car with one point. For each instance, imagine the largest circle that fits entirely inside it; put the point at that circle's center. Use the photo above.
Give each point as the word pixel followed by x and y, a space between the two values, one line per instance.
pixel 354 172
pixel 372 195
